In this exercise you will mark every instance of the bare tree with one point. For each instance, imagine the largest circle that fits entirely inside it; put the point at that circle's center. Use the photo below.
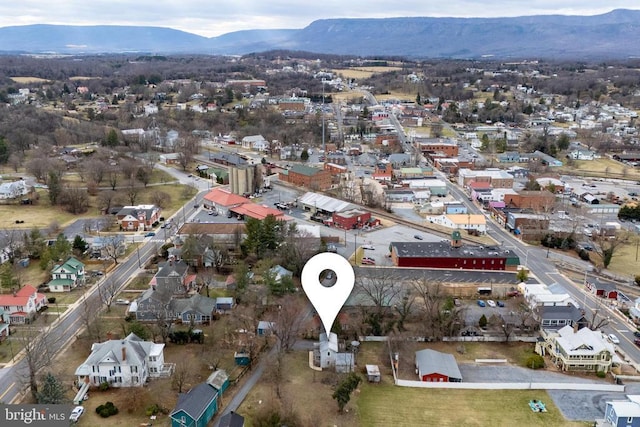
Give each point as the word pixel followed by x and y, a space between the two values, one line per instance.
pixel 160 198
pixel 132 192
pixel 75 199
pixel 379 290
pixel 108 290
pixel 597 316
pixel 181 375
pixel 89 311
pixel 438 316
pixel 187 148
pixel 113 247
pixel 36 344
pixel 288 322
pixel 105 200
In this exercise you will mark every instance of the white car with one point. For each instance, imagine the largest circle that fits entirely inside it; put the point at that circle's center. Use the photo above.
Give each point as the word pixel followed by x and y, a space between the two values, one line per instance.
pixel 76 413
pixel 491 303
pixel 369 247
pixel 614 339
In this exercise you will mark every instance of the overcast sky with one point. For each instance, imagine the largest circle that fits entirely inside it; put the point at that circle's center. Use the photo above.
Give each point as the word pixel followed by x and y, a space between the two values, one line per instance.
pixel 214 17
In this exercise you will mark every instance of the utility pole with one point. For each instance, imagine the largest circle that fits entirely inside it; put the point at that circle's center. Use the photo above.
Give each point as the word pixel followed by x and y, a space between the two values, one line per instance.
pixel 324 151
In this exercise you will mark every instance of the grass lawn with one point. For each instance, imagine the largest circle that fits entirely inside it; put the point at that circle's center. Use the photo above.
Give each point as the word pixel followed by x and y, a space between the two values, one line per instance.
pixel 604 168
pixel 624 261
pixel 37 215
pixel 363 72
pixel 387 405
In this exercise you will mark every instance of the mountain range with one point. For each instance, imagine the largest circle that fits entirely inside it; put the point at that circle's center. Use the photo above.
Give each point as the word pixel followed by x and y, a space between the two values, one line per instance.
pixel 612 35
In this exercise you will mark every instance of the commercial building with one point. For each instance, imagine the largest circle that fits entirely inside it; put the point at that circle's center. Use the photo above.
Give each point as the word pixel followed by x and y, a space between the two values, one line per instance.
pixel 307 176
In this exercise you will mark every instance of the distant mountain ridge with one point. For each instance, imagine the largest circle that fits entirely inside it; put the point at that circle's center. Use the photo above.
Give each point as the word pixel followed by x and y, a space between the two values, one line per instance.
pixel 610 35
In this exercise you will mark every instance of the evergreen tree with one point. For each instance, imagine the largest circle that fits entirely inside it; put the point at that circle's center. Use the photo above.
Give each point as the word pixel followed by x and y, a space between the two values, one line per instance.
pixel 79 245
pixel 55 187
pixel 342 394
pixel 304 156
pixel 8 279
pixel 4 151
pixel 52 391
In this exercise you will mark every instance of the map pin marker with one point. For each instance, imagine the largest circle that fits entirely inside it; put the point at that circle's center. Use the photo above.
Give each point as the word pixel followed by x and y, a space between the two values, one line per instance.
pixel 327 300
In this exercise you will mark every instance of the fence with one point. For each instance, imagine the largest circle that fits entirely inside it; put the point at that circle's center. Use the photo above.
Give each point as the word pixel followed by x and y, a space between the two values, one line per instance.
pixel 512 386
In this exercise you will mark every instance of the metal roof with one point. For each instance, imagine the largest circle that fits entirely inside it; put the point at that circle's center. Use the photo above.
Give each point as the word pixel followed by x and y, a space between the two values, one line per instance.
pixel 325 203
pixel 433 362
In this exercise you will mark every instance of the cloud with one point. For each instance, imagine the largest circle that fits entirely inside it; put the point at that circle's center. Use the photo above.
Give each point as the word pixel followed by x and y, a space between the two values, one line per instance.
pixel 217 17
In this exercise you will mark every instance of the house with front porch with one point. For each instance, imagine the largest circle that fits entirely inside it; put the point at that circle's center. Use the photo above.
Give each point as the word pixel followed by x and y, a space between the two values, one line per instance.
pixel 22 306
pixel 4 324
pixel 67 276
pixel 128 362
pixel 573 349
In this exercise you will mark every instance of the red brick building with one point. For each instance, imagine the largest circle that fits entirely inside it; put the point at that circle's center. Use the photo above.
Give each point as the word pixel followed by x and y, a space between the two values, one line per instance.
pixel 440 148
pixel 539 201
pixel 353 219
pixel 307 176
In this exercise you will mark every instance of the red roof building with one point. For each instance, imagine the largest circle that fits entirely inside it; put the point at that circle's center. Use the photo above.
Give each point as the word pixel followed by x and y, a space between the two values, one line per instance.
pixel 260 212
pixel 222 200
pixel 23 305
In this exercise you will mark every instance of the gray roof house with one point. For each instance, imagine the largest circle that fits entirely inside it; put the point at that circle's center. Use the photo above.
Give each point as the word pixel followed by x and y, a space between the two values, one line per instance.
pixel 434 366
pixel 173 278
pixel 231 419
pixel 399 159
pixel 196 407
pixel 127 362
pixel 559 316
pixel 197 309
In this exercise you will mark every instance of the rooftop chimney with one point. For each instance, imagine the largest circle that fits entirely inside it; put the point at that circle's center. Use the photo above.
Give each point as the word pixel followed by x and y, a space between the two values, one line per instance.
pixel 124 353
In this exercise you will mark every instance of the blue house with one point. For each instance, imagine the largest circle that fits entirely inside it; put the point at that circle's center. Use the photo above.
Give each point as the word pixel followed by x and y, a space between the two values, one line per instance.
pixel 622 413
pixel 455 208
pixel 224 304
pixel 242 358
pixel 196 407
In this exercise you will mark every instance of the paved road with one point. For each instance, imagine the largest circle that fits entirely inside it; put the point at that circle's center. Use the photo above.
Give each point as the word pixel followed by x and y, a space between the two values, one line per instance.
pixel 64 330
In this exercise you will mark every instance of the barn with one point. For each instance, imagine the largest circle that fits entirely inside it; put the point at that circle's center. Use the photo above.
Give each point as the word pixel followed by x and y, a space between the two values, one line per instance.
pixel 601 288
pixel 433 366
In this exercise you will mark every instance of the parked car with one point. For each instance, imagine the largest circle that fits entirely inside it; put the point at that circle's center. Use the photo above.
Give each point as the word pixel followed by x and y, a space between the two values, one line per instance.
pixel 76 413
pixel 636 334
pixel 500 303
pixel 121 301
pixel 637 342
pixel 368 247
pixel 481 303
pixel 368 261
pixel 150 234
pixel 491 303
pixel 417 236
pixel 614 339
pixel 332 248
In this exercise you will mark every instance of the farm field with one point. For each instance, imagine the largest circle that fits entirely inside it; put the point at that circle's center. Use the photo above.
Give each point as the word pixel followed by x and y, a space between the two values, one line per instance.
pixel 363 72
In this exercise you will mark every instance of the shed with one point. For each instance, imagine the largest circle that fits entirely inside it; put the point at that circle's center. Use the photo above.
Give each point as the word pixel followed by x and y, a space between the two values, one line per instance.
pixel 219 380
pixel 224 304
pixel 265 328
pixel 242 358
pixel 433 366
pixel 373 373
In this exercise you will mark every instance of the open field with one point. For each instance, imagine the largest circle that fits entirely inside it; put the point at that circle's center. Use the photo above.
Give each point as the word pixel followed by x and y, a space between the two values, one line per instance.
pixel 625 261
pixel 27 80
pixel 304 391
pixel 363 72
pixel 602 168
pixel 41 214
pixel 82 78
pixel 387 405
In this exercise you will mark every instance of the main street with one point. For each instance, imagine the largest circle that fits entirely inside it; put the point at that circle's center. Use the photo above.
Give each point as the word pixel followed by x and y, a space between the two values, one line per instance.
pixel 541 263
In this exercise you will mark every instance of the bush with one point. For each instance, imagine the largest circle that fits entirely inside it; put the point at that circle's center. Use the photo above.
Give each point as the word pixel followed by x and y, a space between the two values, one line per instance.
pixel 51 300
pixel 601 374
pixel 107 410
pixel 104 386
pixel 153 410
pixel 584 255
pixel 535 361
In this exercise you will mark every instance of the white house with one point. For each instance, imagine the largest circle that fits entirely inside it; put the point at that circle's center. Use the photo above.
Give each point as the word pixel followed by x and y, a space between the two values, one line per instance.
pixel 22 306
pixel 255 142
pixel 128 362
pixel 541 295
pixel 14 189
pixel 582 155
pixel 573 349
pixel 326 354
